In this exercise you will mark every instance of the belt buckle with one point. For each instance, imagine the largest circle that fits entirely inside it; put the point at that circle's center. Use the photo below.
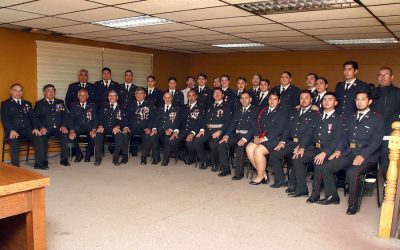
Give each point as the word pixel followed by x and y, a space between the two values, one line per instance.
pixel 318 145
pixel 295 139
pixel 352 145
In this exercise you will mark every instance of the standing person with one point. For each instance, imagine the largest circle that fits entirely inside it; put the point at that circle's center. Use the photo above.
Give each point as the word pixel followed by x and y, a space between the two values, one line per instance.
pixel 17 117
pixel 241 88
pixel 82 83
pixel 255 89
pixel 51 118
pixel 386 101
pixel 288 92
pixel 177 96
pixel 311 79
pixel 203 92
pixel 229 94
pixel 346 91
pixel 103 86
pixel 83 121
pixel 190 84
pixel 217 82
pixel 153 94
pixel 263 96
pixel 321 86
pixel 126 91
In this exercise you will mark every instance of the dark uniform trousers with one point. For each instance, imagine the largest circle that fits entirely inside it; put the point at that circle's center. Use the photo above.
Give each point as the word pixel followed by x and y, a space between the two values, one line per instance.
pixel 176 145
pixel 14 146
pixel 299 167
pixel 90 140
pixel 276 162
pixel 223 150
pixel 155 146
pixel 120 140
pixel 63 138
pixel 133 137
pixel 198 144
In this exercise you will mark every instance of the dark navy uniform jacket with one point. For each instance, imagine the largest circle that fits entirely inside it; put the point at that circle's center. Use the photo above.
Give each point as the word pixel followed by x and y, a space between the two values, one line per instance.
pixel 50 116
pixel 299 127
pixel 191 119
pixel 72 93
pixel 230 97
pixel 217 115
pixel 264 101
pixel 109 118
pixel 126 96
pixel 141 116
pixel 83 118
pixel 16 117
pixel 236 104
pixel 386 101
pixel 102 92
pixel 167 120
pixel 290 98
pixel 177 98
pixel 156 97
pixel 346 98
pixel 326 134
pixel 365 137
pixel 205 97
pixel 243 123
pixel 272 125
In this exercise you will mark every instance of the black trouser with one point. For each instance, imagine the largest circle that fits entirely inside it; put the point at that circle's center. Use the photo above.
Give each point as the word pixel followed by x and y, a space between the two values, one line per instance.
pixel 89 147
pixel 328 171
pixel 155 145
pixel 200 147
pixel 133 137
pixel 63 138
pixel 223 150
pixel 275 161
pixel 299 166
pixel 14 146
pixel 120 141
pixel 384 158
pixel 190 150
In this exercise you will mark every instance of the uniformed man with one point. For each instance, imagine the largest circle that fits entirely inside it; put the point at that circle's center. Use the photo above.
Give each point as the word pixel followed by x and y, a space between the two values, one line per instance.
pixel 239 133
pixel 190 84
pixel 203 92
pixel 229 94
pixel 241 88
pixel 255 89
pixel 271 123
pixel 311 79
pixel 153 94
pixel 294 137
pixel 82 83
pixel 17 118
pixel 214 125
pixel 346 91
pixel 192 116
pixel 321 86
pixel 141 115
pixel 83 121
pixel 359 152
pixel 288 92
pixel 126 91
pixel 217 82
pixel 323 139
pixel 103 86
pixel 386 100
pixel 112 119
pixel 263 96
pixel 166 128
pixel 51 118
pixel 177 96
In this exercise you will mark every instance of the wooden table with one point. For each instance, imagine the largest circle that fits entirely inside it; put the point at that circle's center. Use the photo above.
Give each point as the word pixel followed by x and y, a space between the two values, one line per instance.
pixel 22 208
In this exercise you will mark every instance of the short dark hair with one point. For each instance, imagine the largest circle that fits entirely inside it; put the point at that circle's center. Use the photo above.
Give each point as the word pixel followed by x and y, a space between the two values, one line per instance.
pixel 140 89
pixel 224 75
pixel 151 77
pixel 275 94
pixel 245 93
pixel 354 64
pixel 106 69
pixel 364 92
pixel 241 78
pixel 306 91
pixel 313 74
pixel 172 78
pixel 128 71
pixel 166 92
pixel 204 75
pixel 48 86
pixel 259 76
pixel 331 94
pixel 15 85
pixel 265 80
pixel 84 70
pixel 192 90
pixel 288 73
pixel 218 88
pixel 323 79
pixel 187 78
pixel 388 69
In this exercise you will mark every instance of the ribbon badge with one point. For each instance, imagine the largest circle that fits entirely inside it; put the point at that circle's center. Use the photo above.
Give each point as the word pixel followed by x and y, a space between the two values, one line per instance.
pixel 220 113
pixel 329 128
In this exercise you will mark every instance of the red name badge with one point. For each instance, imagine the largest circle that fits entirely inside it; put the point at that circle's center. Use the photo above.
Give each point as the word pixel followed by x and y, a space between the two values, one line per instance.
pixel 262 134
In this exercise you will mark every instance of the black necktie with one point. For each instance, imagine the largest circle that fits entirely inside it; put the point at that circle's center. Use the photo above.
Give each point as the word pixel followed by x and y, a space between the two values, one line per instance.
pixel 261 97
pixel 359 117
pixel 150 91
pixel 173 93
pixel 269 111
pixel 302 112
pixel 347 86
pixel 317 100
pixel 244 111
pixel 283 90
pixel 83 106
pixel 19 102
pixel 112 106
pixel 127 87
pixel 51 102
pixel 239 93
pixel 166 110
pixel 325 117
pixel 139 103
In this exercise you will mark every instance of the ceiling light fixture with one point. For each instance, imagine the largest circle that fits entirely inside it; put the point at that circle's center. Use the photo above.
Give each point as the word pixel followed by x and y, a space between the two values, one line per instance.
pixel 239 45
pixel 130 22
pixel 363 41
pixel 284 6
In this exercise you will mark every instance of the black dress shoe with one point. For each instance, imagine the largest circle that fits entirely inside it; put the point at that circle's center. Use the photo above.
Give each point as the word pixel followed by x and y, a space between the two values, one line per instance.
pixel 87 159
pixel 352 210
pixel 97 162
pixel 279 184
pixel 164 163
pixel 65 162
pixel 143 161
pixel 46 163
pixel 290 190
pixel 134 154
pixel 155 161
pixel 78 158
pixel 298 194
pixel 41 167
pixel 215 168
pixel 237 177
pixel 332 199
pixel 203 165
pixel 224 173
pixel 312 199
pixel 116 161
pixel 263 181
pixel 124 160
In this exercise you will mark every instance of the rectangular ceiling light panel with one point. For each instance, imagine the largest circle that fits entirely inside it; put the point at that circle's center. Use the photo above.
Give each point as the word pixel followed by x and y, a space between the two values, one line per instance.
pixel 130 22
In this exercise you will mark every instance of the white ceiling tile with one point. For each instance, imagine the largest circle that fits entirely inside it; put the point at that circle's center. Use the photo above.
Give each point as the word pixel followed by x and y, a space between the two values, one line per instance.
pixel 370 46
pixel 158 40
pixel 355 36
pixel 391 19
pixel 5 3
pixel 385 10
pixel 185 33
pixel 319 15
pixel 378 2
pixel 242 1
pixel 233 21
pixel 162 6
pixel 110 33
pixel 259 49
pixel 180 44
pixel 296 43
pixel 162 28
pixel 208 37
pixel 309 47
pixel 9 16
pixel 114 2
pixel 348 30
pixel 283 39
pixel 368 21
pixel 251 28
pixel 208 13
pixel 270 34
pixel 46 22
pixel 135 37
pixel 99 14
pixel 51 7
pixel 81 28
pixel 230 41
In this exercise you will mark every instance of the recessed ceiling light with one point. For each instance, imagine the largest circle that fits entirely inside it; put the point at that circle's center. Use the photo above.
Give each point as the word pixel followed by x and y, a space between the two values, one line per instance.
pixel 280 6
pixel 130 22
pixel 363 41
pixel 239 45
